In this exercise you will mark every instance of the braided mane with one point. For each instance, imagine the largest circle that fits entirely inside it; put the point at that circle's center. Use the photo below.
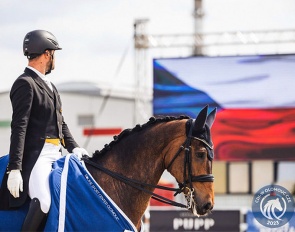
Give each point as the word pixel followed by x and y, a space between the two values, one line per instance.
pixel 138 127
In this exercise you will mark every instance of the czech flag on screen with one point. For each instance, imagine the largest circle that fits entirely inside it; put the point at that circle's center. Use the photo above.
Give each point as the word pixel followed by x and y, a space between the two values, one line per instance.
pixel 254 96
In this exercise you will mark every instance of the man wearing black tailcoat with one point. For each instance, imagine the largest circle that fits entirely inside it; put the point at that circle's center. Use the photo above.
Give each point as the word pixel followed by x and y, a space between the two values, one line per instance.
pixel 38 131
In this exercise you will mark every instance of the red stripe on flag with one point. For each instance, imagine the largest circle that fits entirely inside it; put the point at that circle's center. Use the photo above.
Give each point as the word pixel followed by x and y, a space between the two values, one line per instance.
pixel 101 131
pixel 248 134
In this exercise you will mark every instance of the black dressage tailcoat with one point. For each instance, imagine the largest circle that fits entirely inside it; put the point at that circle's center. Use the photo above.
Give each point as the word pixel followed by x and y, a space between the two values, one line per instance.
pixel 37 115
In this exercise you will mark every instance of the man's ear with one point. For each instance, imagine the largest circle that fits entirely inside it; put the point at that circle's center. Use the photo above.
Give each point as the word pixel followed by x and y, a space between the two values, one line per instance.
pixel 47 53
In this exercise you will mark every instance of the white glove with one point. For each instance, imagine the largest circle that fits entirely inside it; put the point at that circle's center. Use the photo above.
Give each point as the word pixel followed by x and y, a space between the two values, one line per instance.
pixel 15 183
pixel 79 152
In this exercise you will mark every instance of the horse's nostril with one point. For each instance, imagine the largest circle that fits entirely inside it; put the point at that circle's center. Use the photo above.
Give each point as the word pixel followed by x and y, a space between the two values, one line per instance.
pixel 208 206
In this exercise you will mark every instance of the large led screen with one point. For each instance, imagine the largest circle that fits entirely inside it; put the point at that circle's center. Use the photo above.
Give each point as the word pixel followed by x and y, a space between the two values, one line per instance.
pixel 254 96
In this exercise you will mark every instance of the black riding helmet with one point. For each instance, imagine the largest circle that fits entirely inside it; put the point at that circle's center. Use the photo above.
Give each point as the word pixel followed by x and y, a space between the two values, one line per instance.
pixel 36 42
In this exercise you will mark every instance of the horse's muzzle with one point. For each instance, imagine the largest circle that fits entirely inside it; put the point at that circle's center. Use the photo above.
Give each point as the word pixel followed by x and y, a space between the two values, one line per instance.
pixel 202 209
pixel 207 207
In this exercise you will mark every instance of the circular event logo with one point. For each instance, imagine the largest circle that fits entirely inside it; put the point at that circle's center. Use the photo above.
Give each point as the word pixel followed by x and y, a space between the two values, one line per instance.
pixel 273 206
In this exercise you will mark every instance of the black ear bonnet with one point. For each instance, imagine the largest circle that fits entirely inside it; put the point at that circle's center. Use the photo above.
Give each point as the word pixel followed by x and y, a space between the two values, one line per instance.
pixel 203 135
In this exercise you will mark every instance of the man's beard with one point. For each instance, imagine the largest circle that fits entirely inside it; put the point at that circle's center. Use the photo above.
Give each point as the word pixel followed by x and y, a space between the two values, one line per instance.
pixel 50 67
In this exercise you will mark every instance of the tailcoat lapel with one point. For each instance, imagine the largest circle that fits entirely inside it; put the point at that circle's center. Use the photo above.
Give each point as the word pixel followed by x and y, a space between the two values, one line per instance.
pixel 38 80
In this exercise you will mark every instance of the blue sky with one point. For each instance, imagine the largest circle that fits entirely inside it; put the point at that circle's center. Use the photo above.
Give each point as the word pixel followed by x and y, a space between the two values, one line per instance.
pixel 94 34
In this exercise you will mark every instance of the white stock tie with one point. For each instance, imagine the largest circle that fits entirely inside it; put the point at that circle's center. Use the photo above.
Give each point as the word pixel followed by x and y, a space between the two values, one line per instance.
pixel 48 83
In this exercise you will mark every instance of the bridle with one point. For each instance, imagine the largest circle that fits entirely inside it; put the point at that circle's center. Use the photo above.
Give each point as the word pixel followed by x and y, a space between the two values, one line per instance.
pixel 186 187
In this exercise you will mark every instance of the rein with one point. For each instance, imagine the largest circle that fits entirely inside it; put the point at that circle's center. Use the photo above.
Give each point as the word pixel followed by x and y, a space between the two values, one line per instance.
pixel 138 185
pixel 186 146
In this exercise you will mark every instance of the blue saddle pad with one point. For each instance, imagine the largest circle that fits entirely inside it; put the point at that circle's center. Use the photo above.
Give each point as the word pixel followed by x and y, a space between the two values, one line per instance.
pixel 11 220
pixel 78 203
pixel 3 164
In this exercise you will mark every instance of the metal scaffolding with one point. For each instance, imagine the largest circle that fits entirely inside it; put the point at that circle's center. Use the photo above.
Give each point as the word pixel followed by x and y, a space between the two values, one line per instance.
pixel 218 39
pixel 141 45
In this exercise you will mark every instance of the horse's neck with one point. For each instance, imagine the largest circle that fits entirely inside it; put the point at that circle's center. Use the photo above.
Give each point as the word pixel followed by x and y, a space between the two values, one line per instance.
pixel 139 157
pixel 143 164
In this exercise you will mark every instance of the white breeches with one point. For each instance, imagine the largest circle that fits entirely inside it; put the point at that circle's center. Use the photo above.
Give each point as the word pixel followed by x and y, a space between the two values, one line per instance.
pixel 39 178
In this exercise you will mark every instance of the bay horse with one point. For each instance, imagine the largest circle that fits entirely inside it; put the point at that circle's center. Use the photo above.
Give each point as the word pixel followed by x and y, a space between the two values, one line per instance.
pixel 129 167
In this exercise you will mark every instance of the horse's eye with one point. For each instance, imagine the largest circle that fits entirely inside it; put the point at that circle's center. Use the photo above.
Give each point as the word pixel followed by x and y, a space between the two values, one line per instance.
pixel 200 154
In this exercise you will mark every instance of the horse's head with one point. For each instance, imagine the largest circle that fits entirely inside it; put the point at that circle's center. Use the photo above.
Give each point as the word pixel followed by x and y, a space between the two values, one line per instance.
pixel 278 205
pixel 273 204
pixel 192 164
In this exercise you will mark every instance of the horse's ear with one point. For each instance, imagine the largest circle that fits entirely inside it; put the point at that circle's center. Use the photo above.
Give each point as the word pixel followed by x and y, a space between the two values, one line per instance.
pixel 201 119
pixel 211 118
